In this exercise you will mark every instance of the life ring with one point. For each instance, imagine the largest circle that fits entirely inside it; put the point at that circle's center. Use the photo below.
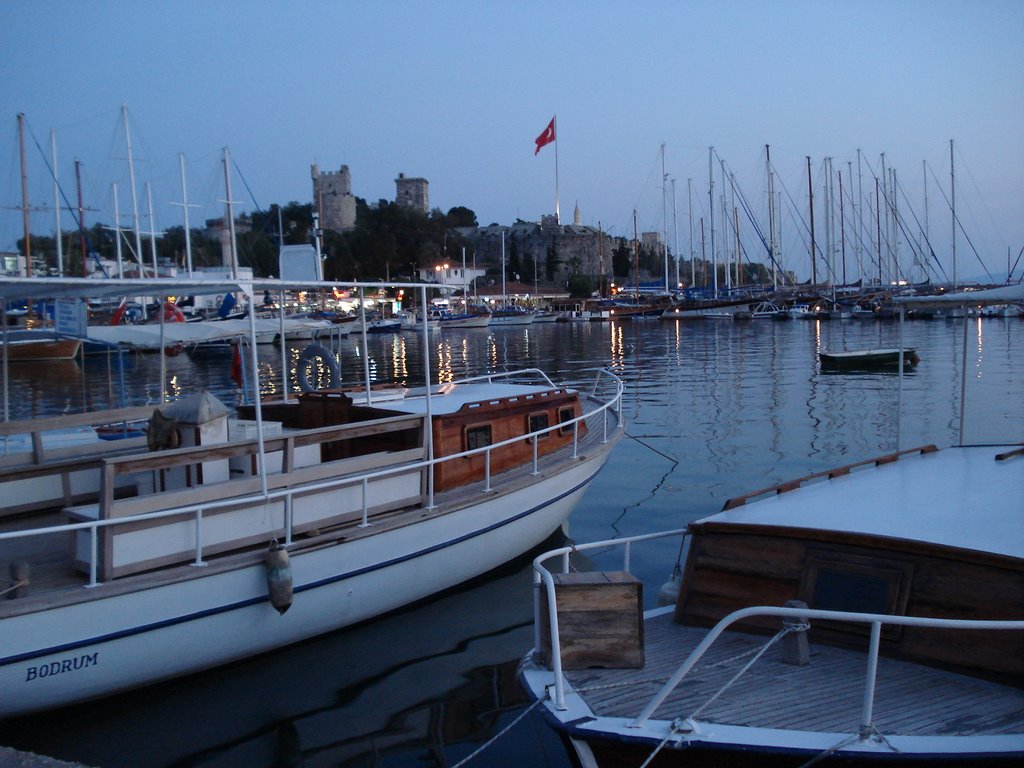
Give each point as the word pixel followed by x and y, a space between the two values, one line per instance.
pixel 172 313
pixel 310 359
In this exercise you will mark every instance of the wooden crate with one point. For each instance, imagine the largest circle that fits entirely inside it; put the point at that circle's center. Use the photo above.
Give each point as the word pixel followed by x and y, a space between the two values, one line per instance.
pixel 600 620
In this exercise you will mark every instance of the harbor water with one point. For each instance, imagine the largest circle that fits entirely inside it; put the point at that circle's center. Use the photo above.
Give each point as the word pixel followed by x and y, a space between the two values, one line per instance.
pixel 713 409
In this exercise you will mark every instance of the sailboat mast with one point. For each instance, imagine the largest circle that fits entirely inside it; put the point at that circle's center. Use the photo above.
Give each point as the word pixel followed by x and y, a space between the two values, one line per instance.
pixel 878 231
pixel 117 234
pixel 711 220
pixel 232 255
pixel 664 213
pixel 24 200
pixel 131 178
pixel 56 204
pixel 675 232
pixel 81 216
pixel 810 198
pixel 689 203
pixel 771 216
pixel 952 207
pixel 842 225
pixel 152 228
pixel 184 208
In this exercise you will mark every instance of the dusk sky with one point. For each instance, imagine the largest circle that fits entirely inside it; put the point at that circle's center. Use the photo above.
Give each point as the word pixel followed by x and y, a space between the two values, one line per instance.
pixel 456 92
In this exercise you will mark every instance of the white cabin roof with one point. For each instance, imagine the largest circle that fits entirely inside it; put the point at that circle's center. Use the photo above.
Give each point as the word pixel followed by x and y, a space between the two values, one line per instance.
pixel 956 497
pixel 452 397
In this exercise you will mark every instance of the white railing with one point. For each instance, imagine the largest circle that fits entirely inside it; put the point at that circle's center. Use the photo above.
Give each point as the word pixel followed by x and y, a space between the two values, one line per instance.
pixel 876 621
pixel 543 578
pixel 286 495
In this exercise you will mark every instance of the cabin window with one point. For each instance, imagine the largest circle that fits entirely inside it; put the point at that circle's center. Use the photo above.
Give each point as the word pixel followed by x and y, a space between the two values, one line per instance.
pixel 566 415
pixel 840 581
pixel 478 437
pixel 537 422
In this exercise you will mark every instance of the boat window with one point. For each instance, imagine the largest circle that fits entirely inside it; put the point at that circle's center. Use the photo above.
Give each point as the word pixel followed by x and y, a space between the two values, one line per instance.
pixel 539 421
pixel 841 581
pixel 478 437
pixel 566 415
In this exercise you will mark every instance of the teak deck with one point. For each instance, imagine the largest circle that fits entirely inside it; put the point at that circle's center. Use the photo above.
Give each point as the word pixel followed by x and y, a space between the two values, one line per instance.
pixel 823 696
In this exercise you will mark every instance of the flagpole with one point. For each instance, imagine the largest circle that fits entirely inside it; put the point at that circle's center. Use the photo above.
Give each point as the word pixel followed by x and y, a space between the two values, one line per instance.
pixel 558 217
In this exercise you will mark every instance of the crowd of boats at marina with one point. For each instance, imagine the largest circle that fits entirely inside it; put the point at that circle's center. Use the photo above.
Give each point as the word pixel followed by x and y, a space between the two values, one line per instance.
pixel 805 622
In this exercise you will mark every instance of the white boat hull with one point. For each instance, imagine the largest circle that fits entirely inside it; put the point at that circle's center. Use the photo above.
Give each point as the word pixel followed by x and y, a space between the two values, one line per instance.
pixel 76 652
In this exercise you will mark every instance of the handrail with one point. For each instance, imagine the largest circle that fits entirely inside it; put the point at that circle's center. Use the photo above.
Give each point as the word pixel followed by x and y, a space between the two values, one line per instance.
pixel 543 578
pixel 200 510
pixel 792 485
pixel 542 575
pixel 876 620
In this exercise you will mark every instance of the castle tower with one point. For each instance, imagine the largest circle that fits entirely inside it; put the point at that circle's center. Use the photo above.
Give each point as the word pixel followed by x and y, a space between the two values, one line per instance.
pixel 333 198
pixel 412 193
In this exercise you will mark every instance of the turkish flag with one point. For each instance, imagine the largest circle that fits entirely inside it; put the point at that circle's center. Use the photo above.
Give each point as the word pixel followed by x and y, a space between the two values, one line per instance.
pixel 546 137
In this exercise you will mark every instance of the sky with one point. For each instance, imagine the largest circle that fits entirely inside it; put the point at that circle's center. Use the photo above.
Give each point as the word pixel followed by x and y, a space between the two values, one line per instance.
pixel 456 92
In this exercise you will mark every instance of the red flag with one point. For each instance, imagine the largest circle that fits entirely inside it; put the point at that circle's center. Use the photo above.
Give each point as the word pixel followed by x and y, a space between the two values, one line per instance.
pixel 546 137
pixel 236 364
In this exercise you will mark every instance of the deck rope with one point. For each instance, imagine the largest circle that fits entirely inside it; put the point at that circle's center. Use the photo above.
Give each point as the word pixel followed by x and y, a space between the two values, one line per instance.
pixel 870 730
pixel 675 726
pixel 14 585
pixel 500 733
pixel 778 636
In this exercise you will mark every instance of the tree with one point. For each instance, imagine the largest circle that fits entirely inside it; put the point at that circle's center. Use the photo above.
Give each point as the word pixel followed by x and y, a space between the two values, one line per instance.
pixel 551 263
pixel 622 260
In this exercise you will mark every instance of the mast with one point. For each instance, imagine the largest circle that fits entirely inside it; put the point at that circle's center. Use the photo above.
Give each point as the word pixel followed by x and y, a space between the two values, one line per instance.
pixel 842 225
pixel 184 208
pixel 726 257
pixel 711 220
pixel 675 233
pixel 117 234
pixel 81 215
pixel 56 204
pixel 131 177
pixel 878 231
pixel 689 200
pixel 927 238
pixel 152 229
pixel 233 256
pixel 664 213
pixel 771 216
pixel 810 197
pixel 636 259
pixel 24 200
pixel 859 218
pixel 952 207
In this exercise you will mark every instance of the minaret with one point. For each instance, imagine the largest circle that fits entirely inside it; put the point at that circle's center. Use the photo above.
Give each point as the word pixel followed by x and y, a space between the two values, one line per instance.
pixel 576 216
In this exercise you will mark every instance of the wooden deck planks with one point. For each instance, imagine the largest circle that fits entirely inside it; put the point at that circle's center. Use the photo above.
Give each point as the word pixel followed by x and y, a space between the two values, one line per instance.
pixel 826 695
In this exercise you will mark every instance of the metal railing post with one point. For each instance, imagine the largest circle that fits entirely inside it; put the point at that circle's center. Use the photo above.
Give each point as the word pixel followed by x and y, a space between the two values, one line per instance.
pixel 199 538
pixel 867 713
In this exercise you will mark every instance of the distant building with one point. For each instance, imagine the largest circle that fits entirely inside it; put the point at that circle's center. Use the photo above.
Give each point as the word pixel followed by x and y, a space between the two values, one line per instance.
pixel 652 242
pixel 216 230
pixel 412 193
pixel 333 198
pixel 450 274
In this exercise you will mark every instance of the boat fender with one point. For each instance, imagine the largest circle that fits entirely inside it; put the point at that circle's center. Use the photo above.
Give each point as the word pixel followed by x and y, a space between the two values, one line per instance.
pixel 172 313
pixel 279 577
pixel 669 592
pixel 309 359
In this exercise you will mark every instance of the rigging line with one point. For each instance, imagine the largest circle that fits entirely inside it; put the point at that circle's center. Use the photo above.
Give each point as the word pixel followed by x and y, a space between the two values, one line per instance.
pixel 246 185
pixel 963 231
pixel 920 228
pixel 72 210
